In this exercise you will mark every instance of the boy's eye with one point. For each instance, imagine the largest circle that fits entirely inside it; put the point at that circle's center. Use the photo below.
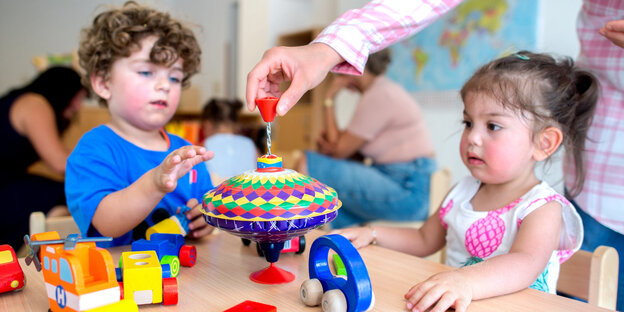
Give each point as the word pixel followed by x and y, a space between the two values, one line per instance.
pixel 145 73
pixel 493 127
pixel 467 123
pixel 175 79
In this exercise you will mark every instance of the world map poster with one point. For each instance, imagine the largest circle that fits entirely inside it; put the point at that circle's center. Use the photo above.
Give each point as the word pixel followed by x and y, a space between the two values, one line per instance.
pixel 446 53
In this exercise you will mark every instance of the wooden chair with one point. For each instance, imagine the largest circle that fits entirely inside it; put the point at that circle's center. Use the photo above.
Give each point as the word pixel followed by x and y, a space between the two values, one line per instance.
pixel 64 225
pixel 591 276
pixel 439 186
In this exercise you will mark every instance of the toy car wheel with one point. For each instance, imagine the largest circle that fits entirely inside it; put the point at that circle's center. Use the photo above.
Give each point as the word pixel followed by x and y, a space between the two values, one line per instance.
pixel 170 291
pixel 302 244
pixel 188 255
pixel 311 292
pixel 121 290
pixel 259 250
pixel 334 301
pixel 246 242
pixel 174 264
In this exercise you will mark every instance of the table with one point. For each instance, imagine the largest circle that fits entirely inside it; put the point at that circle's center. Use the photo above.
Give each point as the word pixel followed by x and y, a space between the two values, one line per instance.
pixel 220 280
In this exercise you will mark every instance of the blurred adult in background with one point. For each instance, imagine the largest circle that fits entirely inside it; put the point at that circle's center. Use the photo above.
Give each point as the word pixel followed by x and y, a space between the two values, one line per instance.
pixel 32 120
pixel 234 153
pixel 387 127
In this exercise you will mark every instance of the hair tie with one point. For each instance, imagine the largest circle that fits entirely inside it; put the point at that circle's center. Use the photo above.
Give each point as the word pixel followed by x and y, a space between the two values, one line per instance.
pixel 522 57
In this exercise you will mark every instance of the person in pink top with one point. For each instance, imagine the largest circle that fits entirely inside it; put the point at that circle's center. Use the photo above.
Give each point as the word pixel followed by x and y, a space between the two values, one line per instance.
pixel 387 127
pixel 601 200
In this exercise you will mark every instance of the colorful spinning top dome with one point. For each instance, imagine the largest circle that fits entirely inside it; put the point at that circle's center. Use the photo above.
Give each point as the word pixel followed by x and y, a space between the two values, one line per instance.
pixel 270 204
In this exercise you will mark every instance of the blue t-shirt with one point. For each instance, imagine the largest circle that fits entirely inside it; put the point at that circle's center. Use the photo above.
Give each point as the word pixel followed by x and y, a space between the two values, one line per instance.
pixel 104 163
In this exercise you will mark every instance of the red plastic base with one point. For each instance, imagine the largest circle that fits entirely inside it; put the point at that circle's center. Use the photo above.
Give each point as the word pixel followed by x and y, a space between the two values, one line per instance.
pixel 272 275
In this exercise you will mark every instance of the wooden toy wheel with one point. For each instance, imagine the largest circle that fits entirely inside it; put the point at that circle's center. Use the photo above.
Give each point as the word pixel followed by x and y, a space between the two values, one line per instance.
pixel 188 255
pixel 334 301
pixel 302 244
pixel 170 291
pixel 311 292
pixel 174 264
pixel 121 291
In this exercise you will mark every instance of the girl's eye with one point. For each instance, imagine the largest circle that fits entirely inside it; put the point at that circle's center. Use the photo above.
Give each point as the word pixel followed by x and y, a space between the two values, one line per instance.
pixel 467 123
pixel 175 79
pixel 145 73
pixel 493 127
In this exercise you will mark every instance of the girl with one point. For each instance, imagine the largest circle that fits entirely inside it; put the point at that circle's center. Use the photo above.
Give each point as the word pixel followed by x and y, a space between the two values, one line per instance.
pixel 518 110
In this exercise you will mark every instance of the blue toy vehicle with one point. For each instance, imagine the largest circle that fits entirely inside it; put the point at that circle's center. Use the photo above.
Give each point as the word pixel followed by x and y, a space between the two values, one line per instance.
pixel 335 293
pixel 171 251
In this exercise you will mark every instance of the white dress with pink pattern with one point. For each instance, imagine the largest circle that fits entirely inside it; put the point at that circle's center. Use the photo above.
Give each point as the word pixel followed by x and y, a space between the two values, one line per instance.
pixel 473 236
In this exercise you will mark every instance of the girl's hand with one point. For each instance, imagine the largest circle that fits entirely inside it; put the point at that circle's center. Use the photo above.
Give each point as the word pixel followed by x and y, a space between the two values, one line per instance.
pixel 197 224
pixel 614 31
pixel 177 164
pixel 440 292
pixel 358 236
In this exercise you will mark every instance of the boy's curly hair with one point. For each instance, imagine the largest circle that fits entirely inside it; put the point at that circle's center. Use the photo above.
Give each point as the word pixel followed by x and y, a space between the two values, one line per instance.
pixel 116 33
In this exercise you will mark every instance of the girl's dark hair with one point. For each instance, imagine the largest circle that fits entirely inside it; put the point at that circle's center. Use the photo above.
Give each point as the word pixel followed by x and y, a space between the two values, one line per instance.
pixel 58 85
pixel 117 33
pixel 378 62
pixel 552 91
pixel 222 110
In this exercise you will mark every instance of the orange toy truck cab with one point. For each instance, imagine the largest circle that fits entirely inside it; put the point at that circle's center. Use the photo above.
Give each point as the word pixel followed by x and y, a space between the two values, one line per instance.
pixel 79 279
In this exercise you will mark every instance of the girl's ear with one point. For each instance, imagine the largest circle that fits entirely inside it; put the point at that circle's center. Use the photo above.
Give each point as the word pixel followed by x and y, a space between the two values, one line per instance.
pixel 100 87
pixel 548 141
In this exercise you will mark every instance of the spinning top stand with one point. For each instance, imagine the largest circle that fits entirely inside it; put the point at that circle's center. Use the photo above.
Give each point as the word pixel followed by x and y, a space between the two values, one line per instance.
pixel 271 274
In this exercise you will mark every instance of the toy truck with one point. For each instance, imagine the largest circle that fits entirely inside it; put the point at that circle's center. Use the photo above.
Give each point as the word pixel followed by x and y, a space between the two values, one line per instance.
pixel 142 279
pixel 335 292
pixel 11 274
pixel 78 275
pixel 171 251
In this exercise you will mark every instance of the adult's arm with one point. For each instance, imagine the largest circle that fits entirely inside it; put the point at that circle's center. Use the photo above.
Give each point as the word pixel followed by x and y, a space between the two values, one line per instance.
pixel 343 46
pixel 32 116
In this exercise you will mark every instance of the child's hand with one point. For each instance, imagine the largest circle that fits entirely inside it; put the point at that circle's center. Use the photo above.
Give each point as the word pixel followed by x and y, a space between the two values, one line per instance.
pixel 448 289
pixel 197 224
pixel 614 31
pixel 177 164
pixel 359 236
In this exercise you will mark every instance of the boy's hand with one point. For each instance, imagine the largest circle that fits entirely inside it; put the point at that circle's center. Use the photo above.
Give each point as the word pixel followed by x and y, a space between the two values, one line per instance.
pixel 177 164
pixel 440 292
pixel 197 224
pixel 358 236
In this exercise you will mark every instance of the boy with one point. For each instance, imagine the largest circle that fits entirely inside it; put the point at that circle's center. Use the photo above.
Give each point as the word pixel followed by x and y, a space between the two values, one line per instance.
pixel 129 174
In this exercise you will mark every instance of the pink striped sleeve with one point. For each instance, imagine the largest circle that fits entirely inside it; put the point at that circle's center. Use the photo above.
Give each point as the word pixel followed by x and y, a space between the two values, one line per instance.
pixel 360 32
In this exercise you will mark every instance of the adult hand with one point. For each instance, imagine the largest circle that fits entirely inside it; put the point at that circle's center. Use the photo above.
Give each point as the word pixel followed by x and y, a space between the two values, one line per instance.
pixel 197 224
pixel 614 31
pixel 324 146
pixel 177 164
pixel 338 83
pixel 440 292
pixel 304 66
